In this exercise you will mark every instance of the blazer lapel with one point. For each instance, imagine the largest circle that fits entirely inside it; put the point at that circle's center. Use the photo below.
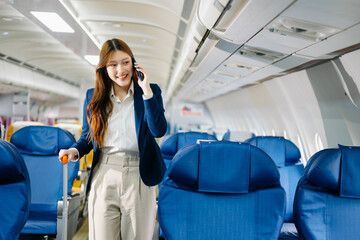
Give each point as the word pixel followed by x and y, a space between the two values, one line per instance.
pixel 138 108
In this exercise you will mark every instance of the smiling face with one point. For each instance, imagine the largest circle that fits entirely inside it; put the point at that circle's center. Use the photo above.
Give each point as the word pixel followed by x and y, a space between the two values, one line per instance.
pixel 120 68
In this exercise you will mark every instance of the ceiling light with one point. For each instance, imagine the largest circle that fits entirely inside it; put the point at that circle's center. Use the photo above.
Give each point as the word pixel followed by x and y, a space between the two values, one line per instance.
pixel 93 59
pixel 53 21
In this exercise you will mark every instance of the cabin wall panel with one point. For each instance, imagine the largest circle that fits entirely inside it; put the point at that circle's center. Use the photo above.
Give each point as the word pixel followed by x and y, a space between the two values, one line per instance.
pixel 6 102
pixel 350 62
pixel 283 104
pixel 339 102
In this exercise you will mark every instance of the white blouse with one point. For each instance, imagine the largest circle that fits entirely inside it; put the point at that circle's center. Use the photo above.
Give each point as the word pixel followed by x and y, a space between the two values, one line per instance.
pixel 121 136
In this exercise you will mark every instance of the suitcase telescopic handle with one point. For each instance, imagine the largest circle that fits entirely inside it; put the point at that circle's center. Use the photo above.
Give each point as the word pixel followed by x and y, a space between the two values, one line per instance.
pixel 65 197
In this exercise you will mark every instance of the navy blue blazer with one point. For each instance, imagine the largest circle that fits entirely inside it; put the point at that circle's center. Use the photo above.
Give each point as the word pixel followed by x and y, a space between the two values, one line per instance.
pixel 150 122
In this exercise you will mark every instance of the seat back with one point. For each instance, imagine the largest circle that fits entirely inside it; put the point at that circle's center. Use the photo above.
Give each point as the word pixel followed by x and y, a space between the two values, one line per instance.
pixel 221 190
pixel 14 191
pixel 175 142
pixel 327 200
pixel 39 146
pixel 286 156
pixel 13 127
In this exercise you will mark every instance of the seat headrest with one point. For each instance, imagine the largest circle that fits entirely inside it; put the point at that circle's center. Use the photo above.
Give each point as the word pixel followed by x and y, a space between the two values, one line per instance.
pixel 176 141
pixel 336 170
pixel 225 167
pixel 282 151
pixel 34 140
pixel 10 166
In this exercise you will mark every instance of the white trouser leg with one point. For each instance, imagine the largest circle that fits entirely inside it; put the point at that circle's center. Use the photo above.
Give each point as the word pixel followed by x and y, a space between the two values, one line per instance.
pixel 121 206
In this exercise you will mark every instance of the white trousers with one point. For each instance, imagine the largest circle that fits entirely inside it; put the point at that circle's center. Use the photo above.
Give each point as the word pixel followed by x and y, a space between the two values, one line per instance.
pixel 121 206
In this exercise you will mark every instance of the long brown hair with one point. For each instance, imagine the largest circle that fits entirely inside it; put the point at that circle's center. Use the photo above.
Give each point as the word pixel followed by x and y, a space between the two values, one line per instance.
pixel 100 107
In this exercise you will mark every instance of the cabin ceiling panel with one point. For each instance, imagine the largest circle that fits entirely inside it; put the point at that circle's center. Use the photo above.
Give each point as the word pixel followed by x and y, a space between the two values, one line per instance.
pixel 145 32
pixel 154 29
pixel 122 11
pixel 26 44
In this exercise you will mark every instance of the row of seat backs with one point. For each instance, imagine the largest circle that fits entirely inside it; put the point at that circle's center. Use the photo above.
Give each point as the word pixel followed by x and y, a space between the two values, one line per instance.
pixel 284 153
pixel 327 199
pixel 281 150
pixel 192 203
pixel 221 190
pixel 15 193
pixel 39 147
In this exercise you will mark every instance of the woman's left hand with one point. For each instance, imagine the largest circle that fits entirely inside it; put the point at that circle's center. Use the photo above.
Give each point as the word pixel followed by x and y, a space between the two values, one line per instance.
pixel 145 83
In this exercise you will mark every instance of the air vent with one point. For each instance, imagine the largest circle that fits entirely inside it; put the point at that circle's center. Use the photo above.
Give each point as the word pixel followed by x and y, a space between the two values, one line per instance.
pixel 260 54
pixel 302 29
pixel 12 18
pixel 215 82
pixel 241 66
pixel 226 75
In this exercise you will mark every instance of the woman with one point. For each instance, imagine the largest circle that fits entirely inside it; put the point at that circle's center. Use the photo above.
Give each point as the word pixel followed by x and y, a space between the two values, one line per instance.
pixel 122 116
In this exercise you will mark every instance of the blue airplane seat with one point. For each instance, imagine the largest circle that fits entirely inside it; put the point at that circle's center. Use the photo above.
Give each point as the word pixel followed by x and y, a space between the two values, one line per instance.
pixel 176 141
pixel 221 190
pixel 327 199
pixel 286 156
pixel 39 146
pixel 14 192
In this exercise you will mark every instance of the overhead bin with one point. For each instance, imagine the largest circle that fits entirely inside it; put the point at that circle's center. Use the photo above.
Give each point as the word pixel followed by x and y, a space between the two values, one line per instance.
pixel 312 28
pixel 334 45
pixel 230 25
pixel 209 12
pixel 244 18
pixel 272 39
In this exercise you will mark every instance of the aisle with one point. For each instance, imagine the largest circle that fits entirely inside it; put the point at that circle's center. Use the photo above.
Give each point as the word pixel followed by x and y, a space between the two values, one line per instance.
pixel 83 232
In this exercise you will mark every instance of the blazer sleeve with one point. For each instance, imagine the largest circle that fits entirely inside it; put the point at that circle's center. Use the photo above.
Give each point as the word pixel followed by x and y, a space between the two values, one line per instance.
pixel 154 113
pixel 84 145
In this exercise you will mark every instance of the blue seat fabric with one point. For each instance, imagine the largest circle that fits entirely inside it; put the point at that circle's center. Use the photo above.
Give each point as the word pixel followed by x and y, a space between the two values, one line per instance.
pixel 39 146
pixel 175 142
pixel 286 156
pixel 221 190
pixel 327 199
pixel 15 193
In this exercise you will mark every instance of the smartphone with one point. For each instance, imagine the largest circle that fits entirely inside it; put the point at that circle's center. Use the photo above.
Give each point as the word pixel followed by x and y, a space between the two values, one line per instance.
pixel 141 75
